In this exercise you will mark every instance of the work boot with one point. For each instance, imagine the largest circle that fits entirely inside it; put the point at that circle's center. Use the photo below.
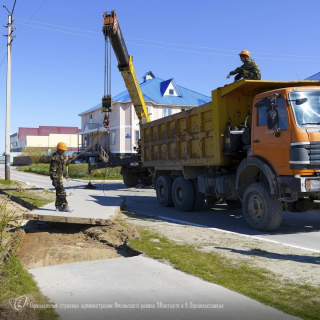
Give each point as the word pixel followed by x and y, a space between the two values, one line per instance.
pixel 59 208
pixel 67 209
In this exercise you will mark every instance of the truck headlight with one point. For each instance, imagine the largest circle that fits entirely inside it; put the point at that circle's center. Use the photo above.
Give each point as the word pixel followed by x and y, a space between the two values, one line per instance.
pixel 313 184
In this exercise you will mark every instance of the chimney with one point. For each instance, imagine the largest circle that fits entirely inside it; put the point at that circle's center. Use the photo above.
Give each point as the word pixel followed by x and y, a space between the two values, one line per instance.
pixel 148 76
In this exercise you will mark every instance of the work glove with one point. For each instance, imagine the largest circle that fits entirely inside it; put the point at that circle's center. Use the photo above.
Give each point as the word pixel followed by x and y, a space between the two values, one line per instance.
pixel 228 76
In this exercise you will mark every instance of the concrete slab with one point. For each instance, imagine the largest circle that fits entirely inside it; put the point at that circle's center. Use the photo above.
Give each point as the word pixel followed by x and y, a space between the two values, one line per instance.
pixel 88 209
pixel 142 288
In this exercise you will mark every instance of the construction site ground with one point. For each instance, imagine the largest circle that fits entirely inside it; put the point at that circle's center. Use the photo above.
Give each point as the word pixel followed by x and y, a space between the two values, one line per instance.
pixel 48 243
pixel 52 244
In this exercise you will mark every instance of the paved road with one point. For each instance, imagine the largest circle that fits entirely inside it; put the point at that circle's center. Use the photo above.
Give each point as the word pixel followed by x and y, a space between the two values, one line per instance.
pixel 297 229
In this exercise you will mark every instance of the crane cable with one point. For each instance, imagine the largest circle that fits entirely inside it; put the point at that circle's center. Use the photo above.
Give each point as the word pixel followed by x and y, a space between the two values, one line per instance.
pixel 107 65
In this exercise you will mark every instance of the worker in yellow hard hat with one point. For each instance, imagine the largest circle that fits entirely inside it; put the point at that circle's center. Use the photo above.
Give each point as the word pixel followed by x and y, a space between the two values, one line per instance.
pixel 56 175
pixel 249 70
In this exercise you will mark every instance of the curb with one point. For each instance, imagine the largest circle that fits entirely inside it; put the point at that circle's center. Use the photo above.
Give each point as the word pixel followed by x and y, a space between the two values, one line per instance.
pixel 23 203
pixel 98 181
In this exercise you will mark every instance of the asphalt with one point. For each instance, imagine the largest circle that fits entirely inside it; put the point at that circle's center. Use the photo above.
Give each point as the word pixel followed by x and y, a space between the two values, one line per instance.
pixel 142 288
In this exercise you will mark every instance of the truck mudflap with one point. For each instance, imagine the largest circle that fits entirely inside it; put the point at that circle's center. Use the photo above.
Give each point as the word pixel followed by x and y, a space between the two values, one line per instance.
pixel 222 186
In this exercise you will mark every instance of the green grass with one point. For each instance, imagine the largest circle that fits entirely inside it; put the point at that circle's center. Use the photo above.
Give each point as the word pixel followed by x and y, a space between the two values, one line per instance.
pixel 16 281
pixel 36 197
pixel 6 182
pixel 257 283
pixel 78 171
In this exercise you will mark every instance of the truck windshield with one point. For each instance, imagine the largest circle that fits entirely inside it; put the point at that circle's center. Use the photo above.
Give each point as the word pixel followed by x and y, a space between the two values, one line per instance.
pixel 306 111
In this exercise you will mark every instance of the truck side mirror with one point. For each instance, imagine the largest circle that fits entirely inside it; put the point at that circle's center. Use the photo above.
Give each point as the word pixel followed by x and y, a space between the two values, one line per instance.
pixel 301 101
pixel 273 119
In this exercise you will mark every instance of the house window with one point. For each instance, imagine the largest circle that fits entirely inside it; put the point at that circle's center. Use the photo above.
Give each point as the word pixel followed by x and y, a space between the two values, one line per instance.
pixel 113 137
pixel 90 118
pixel 166 112
pixel 171 91
pixel 137 137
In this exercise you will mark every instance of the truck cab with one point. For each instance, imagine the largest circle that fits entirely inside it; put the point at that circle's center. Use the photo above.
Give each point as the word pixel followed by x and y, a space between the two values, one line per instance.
pixel 287 134
pixel 284 154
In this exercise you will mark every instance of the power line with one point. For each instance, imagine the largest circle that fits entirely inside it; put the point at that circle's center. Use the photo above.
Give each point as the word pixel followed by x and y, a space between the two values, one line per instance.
pixel 3 60
pixel 20 6
pixel 175 44
pixel 32 15
pixel 55 25
pixel 77 34
pixel 13 6
pixel 172 49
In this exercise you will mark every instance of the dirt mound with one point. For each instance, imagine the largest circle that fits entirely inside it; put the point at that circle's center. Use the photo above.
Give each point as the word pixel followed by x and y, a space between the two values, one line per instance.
pixel 46 244
pixel 114 235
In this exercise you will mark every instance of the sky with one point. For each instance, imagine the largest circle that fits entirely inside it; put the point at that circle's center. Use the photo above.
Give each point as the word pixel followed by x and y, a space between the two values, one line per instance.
pixel 58 71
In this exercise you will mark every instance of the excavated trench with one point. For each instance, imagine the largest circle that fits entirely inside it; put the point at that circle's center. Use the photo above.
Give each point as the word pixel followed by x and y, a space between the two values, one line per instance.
pixel 47 243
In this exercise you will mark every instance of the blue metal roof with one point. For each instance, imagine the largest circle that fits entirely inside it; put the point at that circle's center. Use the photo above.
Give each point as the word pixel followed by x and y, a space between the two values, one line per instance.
pixel 314 77
pixel 152 90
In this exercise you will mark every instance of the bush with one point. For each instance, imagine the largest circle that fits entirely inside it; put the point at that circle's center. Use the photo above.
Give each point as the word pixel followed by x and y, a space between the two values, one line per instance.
pixel 79 171
pixel 9 241
pixel 34 153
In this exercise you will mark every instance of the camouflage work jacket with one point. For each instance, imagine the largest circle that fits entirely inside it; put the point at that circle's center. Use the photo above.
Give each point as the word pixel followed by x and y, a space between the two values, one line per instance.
pixel 252 67
pixel 56 166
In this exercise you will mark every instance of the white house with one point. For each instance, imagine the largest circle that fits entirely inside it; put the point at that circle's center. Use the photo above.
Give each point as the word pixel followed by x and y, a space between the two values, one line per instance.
pixel 162 97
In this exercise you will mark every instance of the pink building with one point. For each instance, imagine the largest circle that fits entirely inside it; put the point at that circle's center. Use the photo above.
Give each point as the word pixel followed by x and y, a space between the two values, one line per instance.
pixel 45 138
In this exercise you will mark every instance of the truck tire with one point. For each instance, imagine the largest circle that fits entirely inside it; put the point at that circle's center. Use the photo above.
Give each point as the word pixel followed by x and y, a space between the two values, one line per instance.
pixel 146 181
pixel 198 197
pixel 130 179
pixel 183 194
pixel 164 191
pixel 261 209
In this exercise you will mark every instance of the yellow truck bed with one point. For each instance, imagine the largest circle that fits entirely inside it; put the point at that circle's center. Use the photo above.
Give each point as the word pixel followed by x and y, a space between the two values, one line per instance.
pixel 195 137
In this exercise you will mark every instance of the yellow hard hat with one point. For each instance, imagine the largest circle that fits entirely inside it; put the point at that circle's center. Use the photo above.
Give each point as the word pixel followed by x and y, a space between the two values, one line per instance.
pixel 62 146
pixel 244 52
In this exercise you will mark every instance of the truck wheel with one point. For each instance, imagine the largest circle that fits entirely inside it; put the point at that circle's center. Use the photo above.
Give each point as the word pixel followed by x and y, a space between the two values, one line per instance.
pixel 146 181
pixel 233 203
pixel 261 209
pixel 198 197
pixel 164 191
pixel 183 194
pixel 130 179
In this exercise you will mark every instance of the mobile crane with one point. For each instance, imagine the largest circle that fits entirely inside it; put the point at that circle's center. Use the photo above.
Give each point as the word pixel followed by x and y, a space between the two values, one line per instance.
pixel 112 33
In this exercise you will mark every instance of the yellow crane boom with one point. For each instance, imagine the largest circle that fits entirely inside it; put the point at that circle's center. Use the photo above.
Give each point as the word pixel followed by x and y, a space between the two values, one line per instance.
pixel 112 31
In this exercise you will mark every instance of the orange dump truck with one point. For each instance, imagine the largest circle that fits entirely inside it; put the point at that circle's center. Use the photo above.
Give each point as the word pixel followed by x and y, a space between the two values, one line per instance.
pixel 256 144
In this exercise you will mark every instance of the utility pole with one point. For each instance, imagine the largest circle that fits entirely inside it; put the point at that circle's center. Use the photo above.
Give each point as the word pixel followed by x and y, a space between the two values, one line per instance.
pixel 8 103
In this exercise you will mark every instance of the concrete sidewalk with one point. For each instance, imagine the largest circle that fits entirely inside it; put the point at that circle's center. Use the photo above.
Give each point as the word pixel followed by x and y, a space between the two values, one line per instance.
pixel 142 288
pixel 94 208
